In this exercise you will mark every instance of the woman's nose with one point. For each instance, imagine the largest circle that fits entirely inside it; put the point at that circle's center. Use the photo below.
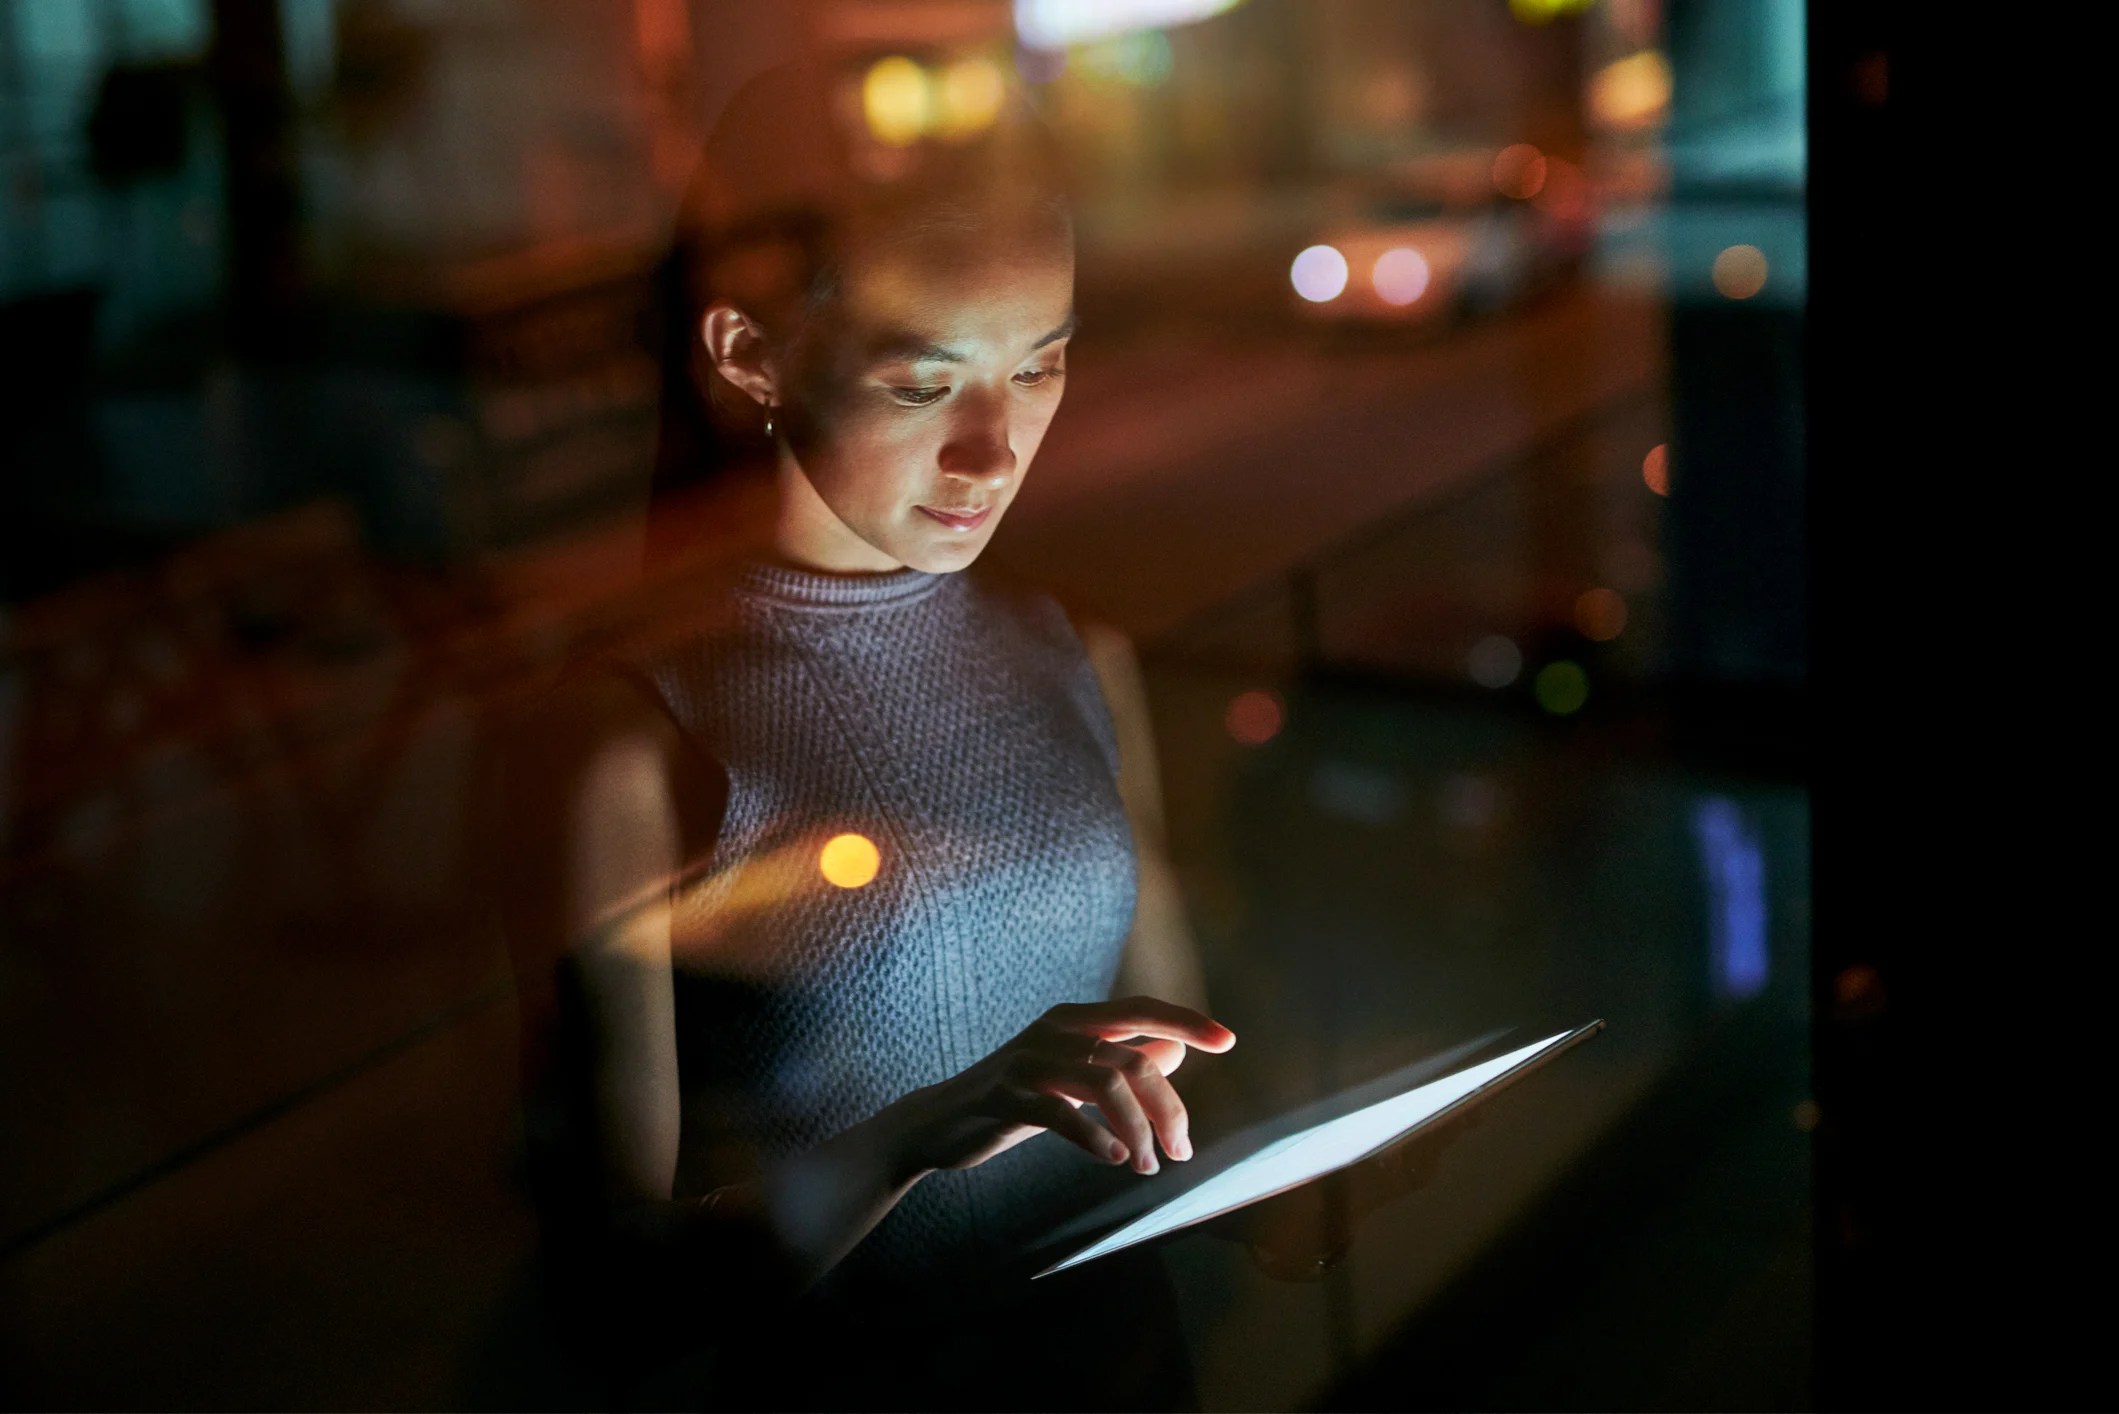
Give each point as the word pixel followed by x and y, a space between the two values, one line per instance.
pixel 978 451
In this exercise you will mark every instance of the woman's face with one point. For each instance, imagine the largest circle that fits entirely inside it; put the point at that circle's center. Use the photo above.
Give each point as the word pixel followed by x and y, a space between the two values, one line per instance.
pixel 923 397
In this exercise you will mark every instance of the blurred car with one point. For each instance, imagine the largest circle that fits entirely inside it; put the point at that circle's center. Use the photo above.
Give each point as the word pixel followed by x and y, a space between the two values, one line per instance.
pixel 1416 256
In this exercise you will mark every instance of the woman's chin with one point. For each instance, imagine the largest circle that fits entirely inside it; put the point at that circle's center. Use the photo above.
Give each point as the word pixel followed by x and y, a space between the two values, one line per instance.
pixel 940 556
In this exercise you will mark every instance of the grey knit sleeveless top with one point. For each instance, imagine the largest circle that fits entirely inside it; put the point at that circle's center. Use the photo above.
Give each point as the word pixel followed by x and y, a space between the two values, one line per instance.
pixel 962 732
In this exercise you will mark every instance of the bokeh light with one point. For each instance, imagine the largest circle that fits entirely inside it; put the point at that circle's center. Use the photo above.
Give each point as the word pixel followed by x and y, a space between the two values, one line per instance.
pixel 1631 93
pixel 1858 994
pixel 1538 12
pixel 1562 687
pixel 897 101
pixel 849 861
pixel 1495 661
pixel 1600 614
pixel 969 97
pixel 1519 171
pixel 1655 469
pixel 1255 718
pixel 1319 273
pixel 1740 271
pixel 1857 984
pixel 1142 59
pixel 1400 275
pixel 1053 24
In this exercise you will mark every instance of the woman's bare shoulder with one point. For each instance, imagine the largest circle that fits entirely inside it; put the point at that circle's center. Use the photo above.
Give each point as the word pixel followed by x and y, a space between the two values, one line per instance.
pixel 604 731
pixel 1109 650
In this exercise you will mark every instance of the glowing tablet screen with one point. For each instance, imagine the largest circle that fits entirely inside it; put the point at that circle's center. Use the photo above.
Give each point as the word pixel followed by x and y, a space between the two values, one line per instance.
pixel 1293 1161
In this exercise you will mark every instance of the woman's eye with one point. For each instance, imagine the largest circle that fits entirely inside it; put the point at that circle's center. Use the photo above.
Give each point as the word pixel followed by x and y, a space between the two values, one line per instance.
pixel 1031 377
pixel 918 397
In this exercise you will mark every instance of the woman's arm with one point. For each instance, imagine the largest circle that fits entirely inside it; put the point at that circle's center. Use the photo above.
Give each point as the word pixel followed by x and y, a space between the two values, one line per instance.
pixel 622 842
pixel 1161 959
pixel 626 774
pixel 623 847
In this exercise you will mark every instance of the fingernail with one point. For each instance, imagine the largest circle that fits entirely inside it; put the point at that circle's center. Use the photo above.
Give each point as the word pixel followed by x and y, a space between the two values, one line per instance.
pixel 1148 1164
pixel 1117 1151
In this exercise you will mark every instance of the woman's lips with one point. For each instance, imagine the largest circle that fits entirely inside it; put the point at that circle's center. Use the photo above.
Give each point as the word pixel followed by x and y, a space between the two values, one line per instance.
pixel 958 520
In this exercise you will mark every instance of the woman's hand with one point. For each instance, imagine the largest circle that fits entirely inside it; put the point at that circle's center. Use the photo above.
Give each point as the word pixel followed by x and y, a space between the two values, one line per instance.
pixel 1115 1055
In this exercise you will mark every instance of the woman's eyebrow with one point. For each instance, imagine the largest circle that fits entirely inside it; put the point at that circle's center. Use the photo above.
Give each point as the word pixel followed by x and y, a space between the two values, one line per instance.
pixel 912 348
pixel 908 347
pixel 1064 330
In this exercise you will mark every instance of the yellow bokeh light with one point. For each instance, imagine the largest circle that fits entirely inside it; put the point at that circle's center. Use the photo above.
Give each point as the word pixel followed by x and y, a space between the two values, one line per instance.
pixel 1538 12
pixel 969 96
pixel 849 861
pixel 1631 93
pixel 1740 271
pixel 897 100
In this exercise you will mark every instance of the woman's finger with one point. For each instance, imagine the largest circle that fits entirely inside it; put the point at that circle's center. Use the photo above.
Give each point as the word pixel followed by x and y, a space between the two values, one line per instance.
pixel 1111 1092
pixel 1143 1016
pixel 1047 1111
pixel 1167 1055
pixel 1158 1098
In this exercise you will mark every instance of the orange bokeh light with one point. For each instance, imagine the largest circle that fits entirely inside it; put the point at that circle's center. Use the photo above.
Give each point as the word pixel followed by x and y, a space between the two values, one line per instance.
pixel 849 861
pixel 1740 271
pixel 1600 614
pixel 1519 171
pixel 1255 718
pixel 1655 469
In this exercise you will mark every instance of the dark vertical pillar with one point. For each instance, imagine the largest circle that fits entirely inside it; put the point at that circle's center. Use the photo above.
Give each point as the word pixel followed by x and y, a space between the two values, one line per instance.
pixel 249 72
pixel 1735 529
pixel 1962 1198
pixel 1734 535
pixel 1868 1348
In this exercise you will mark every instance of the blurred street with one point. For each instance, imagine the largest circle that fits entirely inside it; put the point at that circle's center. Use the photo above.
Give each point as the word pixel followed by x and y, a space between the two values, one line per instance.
pixel 1162 495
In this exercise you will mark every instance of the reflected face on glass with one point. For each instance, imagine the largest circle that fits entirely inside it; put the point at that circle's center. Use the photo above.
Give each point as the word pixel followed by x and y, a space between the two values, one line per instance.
pixel 924 393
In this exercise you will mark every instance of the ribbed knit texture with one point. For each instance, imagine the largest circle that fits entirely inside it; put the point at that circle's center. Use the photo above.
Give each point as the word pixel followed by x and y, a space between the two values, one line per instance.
pixel 962 731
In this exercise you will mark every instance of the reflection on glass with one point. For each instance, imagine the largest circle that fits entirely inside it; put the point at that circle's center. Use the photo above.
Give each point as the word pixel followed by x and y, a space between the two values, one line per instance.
pixel 1735 868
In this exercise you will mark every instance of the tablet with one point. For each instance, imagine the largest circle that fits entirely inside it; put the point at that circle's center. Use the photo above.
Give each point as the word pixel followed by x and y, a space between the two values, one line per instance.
pixel 1291 1160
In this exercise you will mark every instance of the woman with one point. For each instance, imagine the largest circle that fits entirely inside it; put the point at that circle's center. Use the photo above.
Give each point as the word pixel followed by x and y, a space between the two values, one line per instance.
pixel 849 863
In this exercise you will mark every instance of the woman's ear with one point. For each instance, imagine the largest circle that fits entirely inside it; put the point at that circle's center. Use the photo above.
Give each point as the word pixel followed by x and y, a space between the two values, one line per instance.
pixel 736 347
